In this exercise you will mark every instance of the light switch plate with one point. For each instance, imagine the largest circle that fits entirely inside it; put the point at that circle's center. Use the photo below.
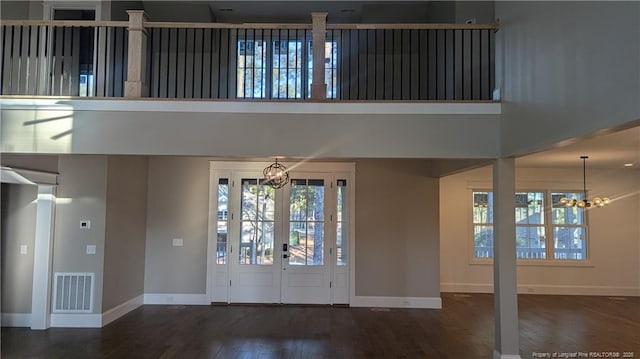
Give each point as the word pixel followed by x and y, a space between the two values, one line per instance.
pixel 85 224
pixel 91 249
pixel 23 249
pixel 177 242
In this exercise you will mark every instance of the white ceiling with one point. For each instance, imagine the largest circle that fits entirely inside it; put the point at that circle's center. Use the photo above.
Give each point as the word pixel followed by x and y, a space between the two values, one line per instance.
pixel 605 151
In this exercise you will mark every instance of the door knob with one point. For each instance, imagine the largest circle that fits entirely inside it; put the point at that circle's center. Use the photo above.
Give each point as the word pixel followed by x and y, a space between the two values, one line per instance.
pixel 285 256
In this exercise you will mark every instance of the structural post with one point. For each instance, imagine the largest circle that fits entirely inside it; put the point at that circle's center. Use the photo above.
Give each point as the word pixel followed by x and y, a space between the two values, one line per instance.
pixel 504 261
pixel 42 257
pixel 318 86
pixel 135 85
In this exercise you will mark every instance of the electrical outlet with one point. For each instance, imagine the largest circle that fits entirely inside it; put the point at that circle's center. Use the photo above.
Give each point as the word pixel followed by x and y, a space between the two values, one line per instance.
pixel 177 242
pixel 23 249
pixel 91 249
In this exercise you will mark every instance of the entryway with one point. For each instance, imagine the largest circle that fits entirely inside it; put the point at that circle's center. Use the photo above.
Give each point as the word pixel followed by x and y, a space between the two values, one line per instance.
pixel 287 245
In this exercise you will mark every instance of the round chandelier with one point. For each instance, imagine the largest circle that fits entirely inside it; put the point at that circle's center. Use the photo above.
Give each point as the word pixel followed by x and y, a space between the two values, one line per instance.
pixel 276 175
pixel 584 203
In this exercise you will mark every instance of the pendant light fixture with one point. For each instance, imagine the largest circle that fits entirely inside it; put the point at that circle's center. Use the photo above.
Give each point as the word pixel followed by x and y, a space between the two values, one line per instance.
pixel 584 203
pixel 276 175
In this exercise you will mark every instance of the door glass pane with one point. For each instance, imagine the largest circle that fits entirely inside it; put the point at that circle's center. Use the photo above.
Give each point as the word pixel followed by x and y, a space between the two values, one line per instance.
pixel 341 219
pixel 569 243
pixel 306 222
pixel 257 223
pixel 222 221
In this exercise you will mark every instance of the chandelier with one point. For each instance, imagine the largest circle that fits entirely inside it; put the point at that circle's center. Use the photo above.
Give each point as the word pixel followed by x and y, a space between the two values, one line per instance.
pixel 276 175
pixel 584 203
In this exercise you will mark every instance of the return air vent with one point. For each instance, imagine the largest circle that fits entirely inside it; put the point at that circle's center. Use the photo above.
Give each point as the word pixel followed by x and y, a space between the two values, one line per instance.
pixel 73 293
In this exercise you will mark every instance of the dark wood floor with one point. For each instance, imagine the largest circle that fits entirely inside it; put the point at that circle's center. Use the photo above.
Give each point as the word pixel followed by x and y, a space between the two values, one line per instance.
pixel 463 329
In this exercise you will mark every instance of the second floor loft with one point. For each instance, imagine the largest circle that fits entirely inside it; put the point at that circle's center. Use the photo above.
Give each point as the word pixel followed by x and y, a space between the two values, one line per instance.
pixel 248 61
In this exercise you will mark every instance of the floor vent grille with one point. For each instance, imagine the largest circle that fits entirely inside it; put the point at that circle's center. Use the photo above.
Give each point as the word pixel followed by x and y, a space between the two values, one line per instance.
pixel 73 292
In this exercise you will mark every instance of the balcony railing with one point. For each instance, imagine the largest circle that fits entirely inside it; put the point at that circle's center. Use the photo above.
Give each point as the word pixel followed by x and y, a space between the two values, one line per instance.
pixel 63 58
pixel 446 62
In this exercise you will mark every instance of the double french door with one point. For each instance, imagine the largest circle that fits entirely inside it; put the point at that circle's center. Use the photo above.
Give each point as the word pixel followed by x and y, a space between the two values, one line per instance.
pixel 283 245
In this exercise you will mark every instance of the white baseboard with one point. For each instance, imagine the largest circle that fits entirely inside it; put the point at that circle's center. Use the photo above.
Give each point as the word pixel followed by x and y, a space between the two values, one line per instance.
pixel 397 302
pixel 466 288
pixel 15 319
pixel 62 320
pixel 176 299
pixel 545 289
pixel 497 355
pixel 122 309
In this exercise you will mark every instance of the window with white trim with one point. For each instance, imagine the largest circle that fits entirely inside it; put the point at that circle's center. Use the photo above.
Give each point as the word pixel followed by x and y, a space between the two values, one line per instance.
pixel 543 232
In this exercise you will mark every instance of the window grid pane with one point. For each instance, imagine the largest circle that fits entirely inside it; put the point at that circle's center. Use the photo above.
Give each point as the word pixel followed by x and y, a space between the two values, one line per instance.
pixel 251 69
pixel 530 242
pixel 287 69
pixel 569 228
pixel 569 243
pixel 483 224
pixel 483 241
pixel 561 214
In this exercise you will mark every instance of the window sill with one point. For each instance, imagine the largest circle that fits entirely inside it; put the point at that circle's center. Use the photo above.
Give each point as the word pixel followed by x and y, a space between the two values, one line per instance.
pixel 539 263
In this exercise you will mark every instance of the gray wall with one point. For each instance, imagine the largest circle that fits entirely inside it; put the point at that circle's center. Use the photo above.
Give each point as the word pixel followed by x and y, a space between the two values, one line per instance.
pixel 44 163
pixel 397 251
pixel 482 11
pixel 177 207
pixel 567 69
pixel 18 225
pixel 200 133
pixel 14 10
pixel 126 225
pixel 397 229
pixel 81 196
pixel 119 9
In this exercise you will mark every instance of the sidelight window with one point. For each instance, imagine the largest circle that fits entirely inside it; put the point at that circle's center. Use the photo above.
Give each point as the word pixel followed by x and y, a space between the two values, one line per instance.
pixel 223 221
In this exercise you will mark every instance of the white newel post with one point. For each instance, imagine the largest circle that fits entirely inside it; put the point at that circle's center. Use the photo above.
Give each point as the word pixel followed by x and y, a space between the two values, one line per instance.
pixel 318 86
pixel 135 85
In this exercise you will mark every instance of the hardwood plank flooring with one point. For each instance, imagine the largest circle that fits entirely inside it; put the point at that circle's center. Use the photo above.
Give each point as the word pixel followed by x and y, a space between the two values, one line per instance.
pixel 463 329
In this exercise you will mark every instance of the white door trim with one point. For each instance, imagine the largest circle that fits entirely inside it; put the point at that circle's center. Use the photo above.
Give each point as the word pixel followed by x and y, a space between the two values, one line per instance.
pixel 43 247
pixel 51 6
pixel 224 169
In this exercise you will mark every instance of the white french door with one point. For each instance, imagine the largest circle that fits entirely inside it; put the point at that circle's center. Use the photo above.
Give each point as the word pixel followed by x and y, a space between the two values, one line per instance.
pixel 283 245
pixel 306 265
